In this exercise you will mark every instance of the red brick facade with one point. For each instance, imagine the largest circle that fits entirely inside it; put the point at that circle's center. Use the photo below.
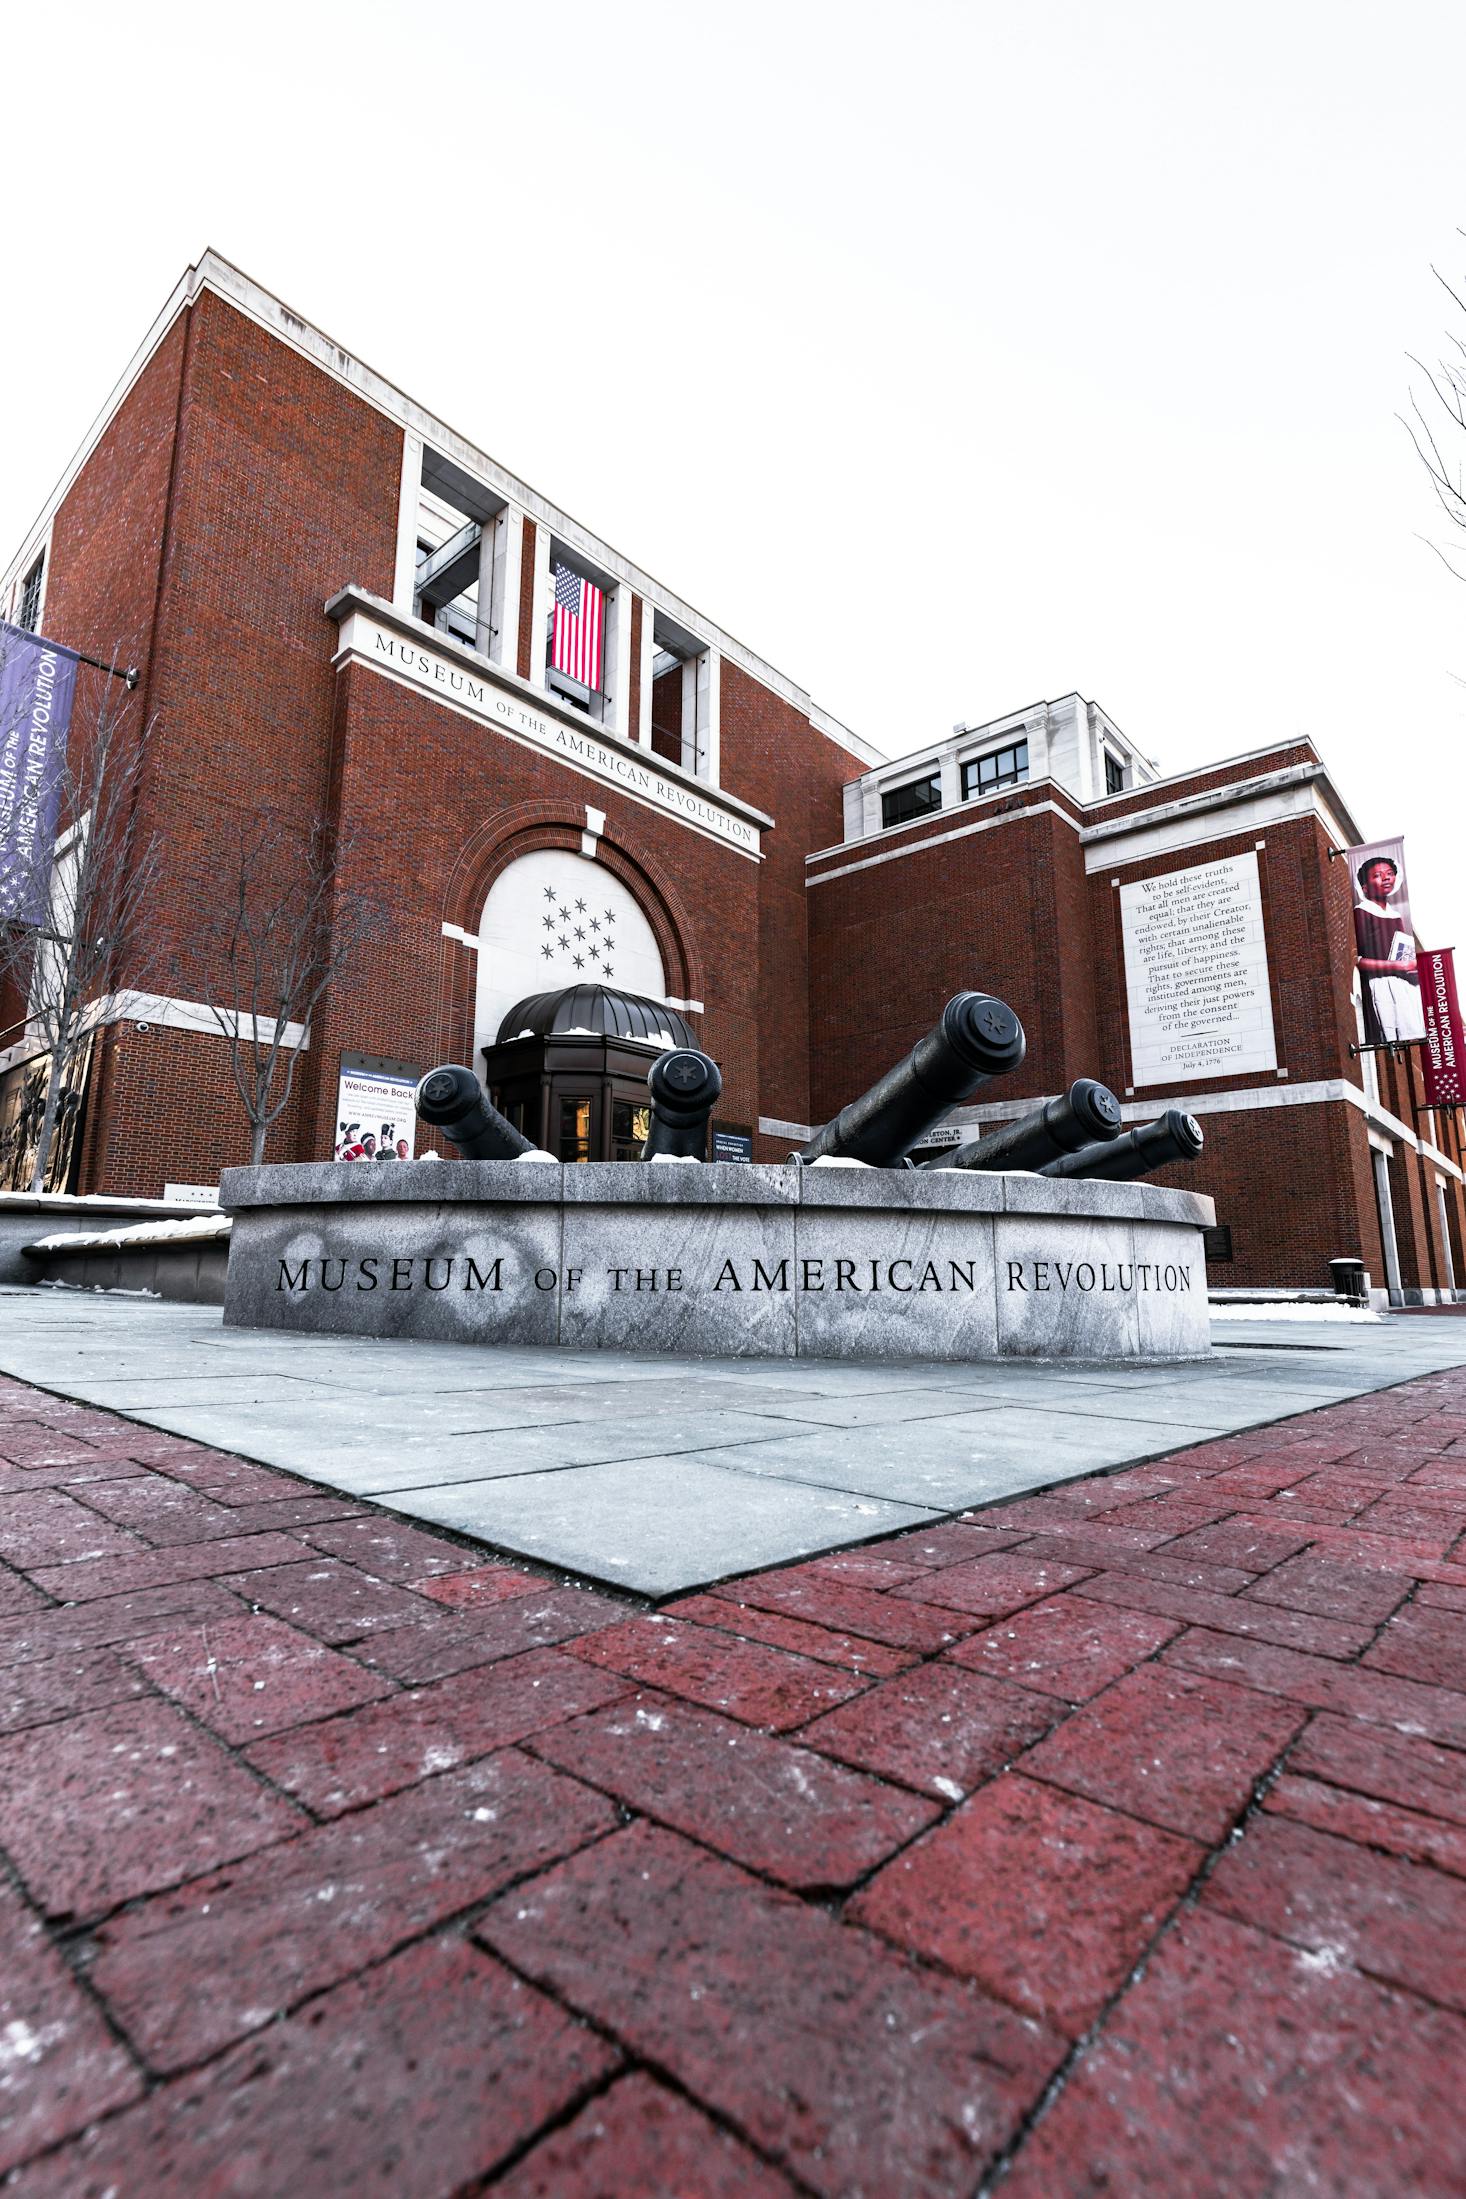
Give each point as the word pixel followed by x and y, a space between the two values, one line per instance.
pixel 242 483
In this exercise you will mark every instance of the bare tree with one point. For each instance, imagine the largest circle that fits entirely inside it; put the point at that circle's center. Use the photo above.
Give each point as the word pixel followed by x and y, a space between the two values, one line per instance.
pixel 1437 421
pixel 286 927
pixel 78 907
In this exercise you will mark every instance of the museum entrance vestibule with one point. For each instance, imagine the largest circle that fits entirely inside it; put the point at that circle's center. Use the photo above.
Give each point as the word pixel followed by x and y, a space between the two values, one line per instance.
pixel 569 1069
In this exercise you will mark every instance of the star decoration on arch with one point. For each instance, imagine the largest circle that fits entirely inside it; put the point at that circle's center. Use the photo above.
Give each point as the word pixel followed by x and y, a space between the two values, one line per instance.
pixel 566 935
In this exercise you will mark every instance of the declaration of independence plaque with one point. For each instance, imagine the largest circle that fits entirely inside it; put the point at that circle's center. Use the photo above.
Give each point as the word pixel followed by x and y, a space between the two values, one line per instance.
pixel 1196 974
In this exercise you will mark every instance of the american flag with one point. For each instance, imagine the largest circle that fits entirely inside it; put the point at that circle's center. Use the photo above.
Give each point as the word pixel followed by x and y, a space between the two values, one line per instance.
pixel 580 618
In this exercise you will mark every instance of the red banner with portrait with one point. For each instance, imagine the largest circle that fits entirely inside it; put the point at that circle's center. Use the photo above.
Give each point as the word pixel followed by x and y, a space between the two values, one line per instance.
pixel 1444 1058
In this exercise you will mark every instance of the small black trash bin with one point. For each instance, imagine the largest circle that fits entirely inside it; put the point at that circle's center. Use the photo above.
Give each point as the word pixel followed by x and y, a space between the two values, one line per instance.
pixel 1350 1281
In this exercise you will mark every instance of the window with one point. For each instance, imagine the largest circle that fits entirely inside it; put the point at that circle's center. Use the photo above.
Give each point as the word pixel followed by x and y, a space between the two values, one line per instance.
pixel 1000 767
pixel 630 1126
pixel 576 660
pixel 446 588
pixel 29 613
pixel 917 798
pixel 683 697
pixel 1114 774
pixel 575 1129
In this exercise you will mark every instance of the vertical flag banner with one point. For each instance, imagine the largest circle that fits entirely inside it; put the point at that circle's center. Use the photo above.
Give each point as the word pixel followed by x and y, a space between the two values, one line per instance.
pixel 1384 944
pixel 37 682
pixel 1444 1060
pixel 580 617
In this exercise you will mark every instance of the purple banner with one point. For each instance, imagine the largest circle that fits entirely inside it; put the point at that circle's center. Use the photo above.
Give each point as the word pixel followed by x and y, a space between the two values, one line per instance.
pixel 1445 1042
pixel 37 681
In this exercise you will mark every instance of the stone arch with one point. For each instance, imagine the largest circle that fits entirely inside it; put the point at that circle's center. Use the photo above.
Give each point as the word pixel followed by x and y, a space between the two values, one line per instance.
pixel 524 828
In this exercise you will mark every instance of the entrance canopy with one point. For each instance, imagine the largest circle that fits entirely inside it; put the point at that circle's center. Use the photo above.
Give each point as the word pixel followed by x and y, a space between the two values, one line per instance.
pixel 596 1008
pixel 569 1068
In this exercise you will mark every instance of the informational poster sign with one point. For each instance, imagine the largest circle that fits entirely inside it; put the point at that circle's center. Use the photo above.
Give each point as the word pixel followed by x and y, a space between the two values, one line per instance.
pixel 1444 1059
pixel 1196 974
pixel 375 1116
pixel 731 1143
pixel 1384 945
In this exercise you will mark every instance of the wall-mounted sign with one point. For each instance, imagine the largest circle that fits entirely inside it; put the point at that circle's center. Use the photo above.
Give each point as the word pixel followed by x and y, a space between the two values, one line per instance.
pixel 601 755
pixel 1384 945
pixel 375 1116
pixel 731 1142
pixel 1444 1059
pixel 1196 974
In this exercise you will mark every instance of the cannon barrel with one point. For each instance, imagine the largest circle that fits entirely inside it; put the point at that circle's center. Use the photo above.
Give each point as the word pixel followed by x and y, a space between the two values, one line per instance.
pixel 1174 1136
pixel 975 1038
pixel 452 1100
pixel 684 1087
pixel 1087 1114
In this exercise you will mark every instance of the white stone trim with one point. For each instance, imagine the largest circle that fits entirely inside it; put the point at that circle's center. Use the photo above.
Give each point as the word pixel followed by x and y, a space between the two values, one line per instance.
pixel 163 1009
pixel 404 579
pixel 1386 1130
pixel 1193 822
pixel 937 840
pixel 541 596
pixel 801 1132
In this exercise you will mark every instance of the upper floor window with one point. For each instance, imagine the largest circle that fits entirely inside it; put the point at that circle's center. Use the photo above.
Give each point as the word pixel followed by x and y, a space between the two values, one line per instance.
pixel 1000 767
pixel 682 699
pixel 1114 774
pixel 578 639
pixel 28 615
pixel 457 616
pixel 916 798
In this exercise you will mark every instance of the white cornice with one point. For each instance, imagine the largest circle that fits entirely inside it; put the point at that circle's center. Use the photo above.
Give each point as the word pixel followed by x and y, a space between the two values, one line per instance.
pixel 1269 798
pixel 937 839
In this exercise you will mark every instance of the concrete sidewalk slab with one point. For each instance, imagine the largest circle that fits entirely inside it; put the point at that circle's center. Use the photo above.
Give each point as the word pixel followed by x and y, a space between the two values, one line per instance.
pixel 665 1473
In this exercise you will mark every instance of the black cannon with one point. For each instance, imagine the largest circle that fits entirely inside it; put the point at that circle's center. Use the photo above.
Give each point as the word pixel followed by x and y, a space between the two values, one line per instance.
pixel 1087 1114
pixel 452 1100
pixel 976 1038
pixel 1175 1136
pixel 684 1087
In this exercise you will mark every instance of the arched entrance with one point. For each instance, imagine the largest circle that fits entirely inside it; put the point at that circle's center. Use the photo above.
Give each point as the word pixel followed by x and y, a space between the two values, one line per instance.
pixel 555 919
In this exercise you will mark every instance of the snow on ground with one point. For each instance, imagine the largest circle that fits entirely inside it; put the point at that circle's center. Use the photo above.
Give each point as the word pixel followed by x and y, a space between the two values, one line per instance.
pixel 1290 1309
pixel 198 1229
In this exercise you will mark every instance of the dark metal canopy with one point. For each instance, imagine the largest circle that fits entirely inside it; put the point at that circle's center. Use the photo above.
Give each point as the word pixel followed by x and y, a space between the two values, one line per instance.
pixel 597 1009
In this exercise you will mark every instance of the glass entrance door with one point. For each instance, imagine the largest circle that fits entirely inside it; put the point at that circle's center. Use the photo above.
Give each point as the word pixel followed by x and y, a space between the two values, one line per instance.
pixel 576 1126
pixel 629 1125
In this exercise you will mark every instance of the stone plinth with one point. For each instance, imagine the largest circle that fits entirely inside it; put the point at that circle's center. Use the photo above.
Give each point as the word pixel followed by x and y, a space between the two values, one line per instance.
pixel 693 1259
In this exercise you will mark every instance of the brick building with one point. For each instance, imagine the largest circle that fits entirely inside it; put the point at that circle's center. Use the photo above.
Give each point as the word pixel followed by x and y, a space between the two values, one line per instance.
pixel 340 609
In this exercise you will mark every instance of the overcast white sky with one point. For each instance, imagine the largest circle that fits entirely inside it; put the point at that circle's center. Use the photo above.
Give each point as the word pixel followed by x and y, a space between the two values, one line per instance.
pixel 952 356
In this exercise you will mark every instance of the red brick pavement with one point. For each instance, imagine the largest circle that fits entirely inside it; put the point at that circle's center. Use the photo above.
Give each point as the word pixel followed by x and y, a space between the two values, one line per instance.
pixel 1110 1840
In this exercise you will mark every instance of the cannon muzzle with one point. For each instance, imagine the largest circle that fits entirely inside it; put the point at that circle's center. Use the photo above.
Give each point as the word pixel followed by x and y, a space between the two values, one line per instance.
pixel 685 1087
pixel 1087 1114
pixel 452 1100
pixel 976 1038
pixel 1175 1136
